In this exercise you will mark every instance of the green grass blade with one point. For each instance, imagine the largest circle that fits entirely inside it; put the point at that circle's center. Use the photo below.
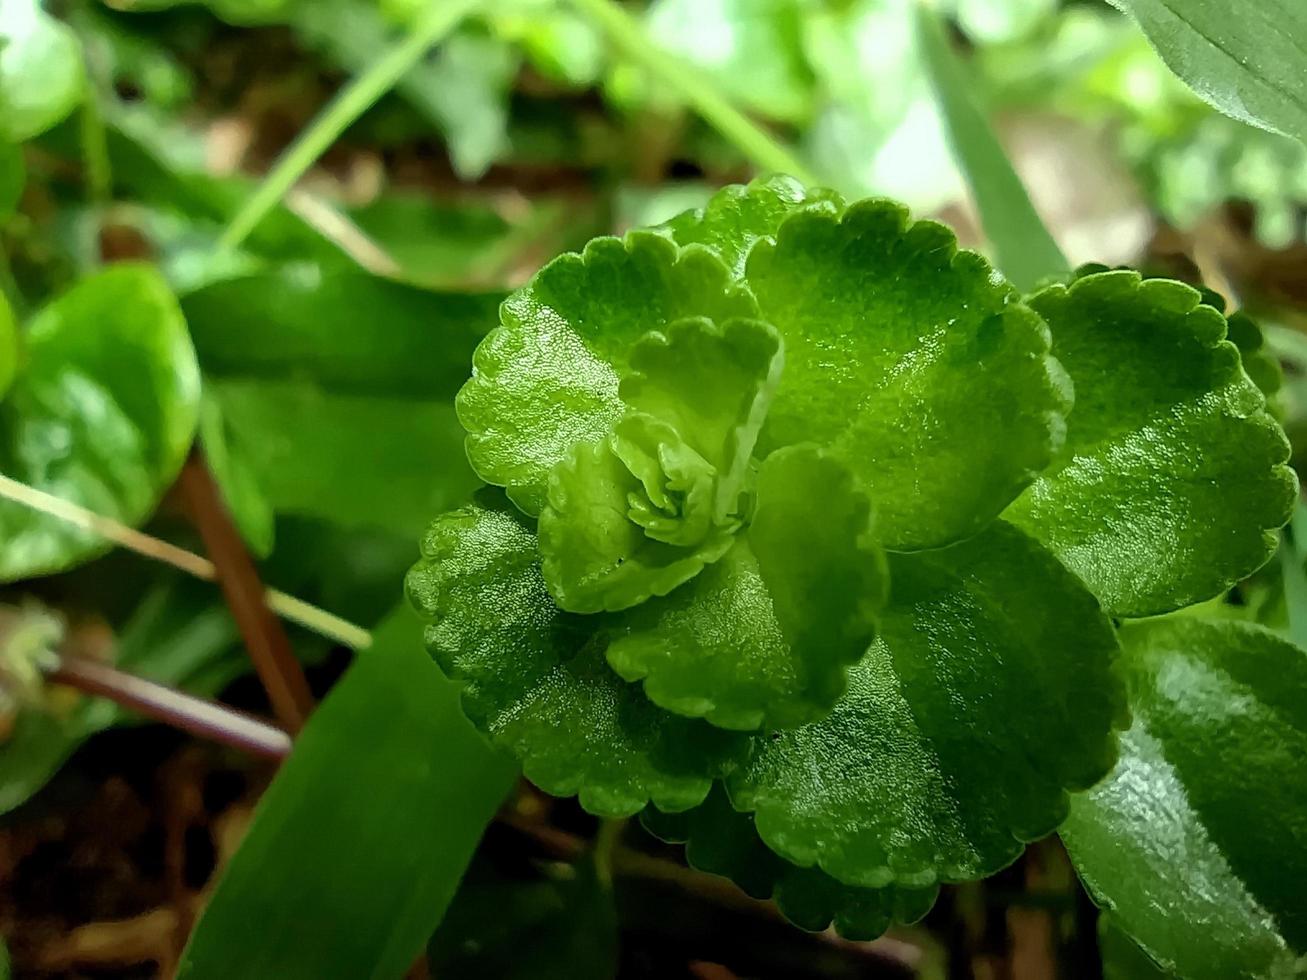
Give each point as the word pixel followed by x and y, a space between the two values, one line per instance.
pixel 1023 248
pixel 360 842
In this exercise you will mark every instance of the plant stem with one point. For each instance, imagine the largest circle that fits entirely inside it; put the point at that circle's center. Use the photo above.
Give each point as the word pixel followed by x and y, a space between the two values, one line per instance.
pixel 195 715
pixel 296 610
pixel 439 19
pixel 95 150
pixel 628 37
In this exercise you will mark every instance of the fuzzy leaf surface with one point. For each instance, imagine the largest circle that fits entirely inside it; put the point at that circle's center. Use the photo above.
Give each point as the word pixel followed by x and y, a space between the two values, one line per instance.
pixel 102 413
pixel 987 695
pixel 1196 842
pixel 763 638
pixel 906 357
pixel 547 378
pixel 535 678
pixel 722 841
pixel 1167 434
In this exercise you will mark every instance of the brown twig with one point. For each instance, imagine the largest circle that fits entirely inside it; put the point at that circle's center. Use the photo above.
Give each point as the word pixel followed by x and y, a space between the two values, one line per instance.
pixel 191 714
pixel 265 639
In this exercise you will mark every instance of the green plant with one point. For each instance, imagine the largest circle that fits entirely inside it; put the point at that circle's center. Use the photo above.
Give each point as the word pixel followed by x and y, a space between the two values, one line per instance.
pixel 858 515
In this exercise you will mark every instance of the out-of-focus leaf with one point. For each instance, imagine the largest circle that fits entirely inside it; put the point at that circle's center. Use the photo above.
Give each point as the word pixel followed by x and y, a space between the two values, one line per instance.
pixel 355 460
pixel 180 635
pixel 350 332
pixel 41 73
pixel 359 844
pixel 561 926
pixel 1197 842
pixel 1252 66
pixel 988 21
pixel 12 174
pixel 10 345
pixel 239 486
pixel 102 413
pixel 1023 248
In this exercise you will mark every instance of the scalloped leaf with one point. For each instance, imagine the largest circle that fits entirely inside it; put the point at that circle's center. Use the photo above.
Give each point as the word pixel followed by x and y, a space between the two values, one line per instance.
pixel 763 638
pixel 536 680
pixel 988 693
pixel 738 215
pixel 914 362
pixel 713 386
pixel 547 378
pixel 597 557
pixel 1167 431
pixel 722 841
pixel 101 413
pixel 1197 842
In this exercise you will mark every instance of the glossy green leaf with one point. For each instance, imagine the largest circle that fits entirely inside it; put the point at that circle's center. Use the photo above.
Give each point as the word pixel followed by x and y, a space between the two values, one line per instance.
pixel 722 841
pixel 358 845
pixel 356 460
pixel 565 918
pixel 237 482
pixel 1122 957
pixel 1196 842
pixel 596 556
pixel 1023 248
pixel 347 331
pixel 180 635
pixel 988 694
pixel 535 677
pixel 548 377
pixel 905 357
pixel 41 73
pixel 1174 478
pixel 763 637
pixel 102 413
pixel 739 214
pixel 1252 67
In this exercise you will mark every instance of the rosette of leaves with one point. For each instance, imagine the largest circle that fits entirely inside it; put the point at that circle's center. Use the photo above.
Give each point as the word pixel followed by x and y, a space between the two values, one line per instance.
pixel 803 502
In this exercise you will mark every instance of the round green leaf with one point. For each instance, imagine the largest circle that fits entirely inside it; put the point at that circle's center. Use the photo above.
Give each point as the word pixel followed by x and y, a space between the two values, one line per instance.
pixel 1173 480
pixel 763 637
pixel 41 74
pixel 536 680
pixel 739 214
pixel 914 362
pixel 1197 842
pixel 988 693
pixel 102 413
pixel 722 841
pixel 547 378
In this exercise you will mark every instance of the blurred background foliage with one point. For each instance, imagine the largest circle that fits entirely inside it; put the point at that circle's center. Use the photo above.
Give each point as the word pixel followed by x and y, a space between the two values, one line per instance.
pixel 332 339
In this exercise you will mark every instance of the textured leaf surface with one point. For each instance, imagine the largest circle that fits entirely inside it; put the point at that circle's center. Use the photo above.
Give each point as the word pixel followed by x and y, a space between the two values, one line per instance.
pixel 536 680
pixel 1252 67
pixel 738 215
pixel 906 357
pixel 102 413
pixel 548 377
pixel 358 846
pixel 722 841
pixel 1196 843
pixel 762 638
pixel 1167 432
pixel 987 695
pixel 41 74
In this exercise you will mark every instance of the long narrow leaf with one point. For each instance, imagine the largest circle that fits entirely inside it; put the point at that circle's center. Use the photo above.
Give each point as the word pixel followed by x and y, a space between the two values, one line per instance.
pixel 1023 248
pixel 360 842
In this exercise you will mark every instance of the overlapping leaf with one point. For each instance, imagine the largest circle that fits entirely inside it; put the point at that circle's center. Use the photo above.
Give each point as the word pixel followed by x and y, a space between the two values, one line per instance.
pixel 101 414
pixel 721 840
pixel 536 680
pixel 1166 432
pixel 547 378
pixel 1196 841
pixel 987 695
